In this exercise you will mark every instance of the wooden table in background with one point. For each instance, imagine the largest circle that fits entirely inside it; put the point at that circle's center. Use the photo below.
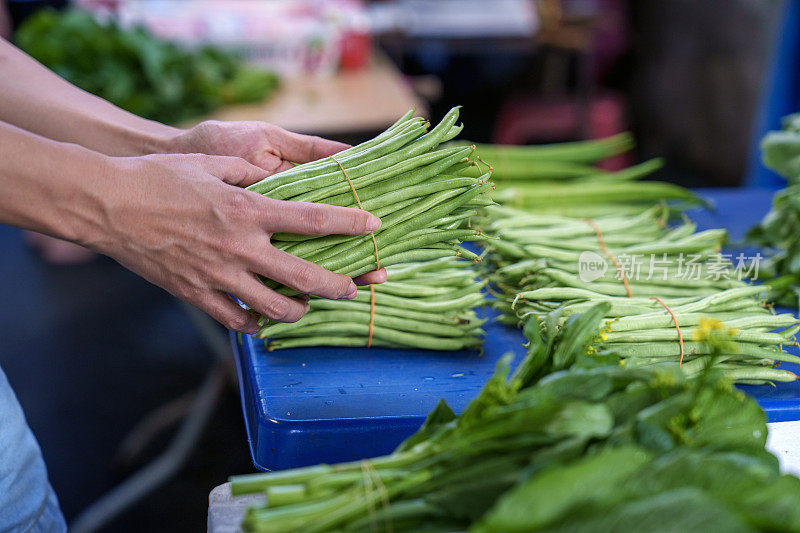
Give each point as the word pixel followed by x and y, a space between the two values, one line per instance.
pixel 350 102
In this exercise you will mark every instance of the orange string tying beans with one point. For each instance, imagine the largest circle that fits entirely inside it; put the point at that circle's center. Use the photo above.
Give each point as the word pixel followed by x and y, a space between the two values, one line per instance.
pixel 608 254
pixel 377 258
pixel 371 314
pixel 674 319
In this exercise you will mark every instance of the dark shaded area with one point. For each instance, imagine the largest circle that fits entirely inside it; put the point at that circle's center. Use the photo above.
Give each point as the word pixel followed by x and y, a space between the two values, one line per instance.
pixel 89 351
pixel 22 9
pixel 698 74
pixel 687 77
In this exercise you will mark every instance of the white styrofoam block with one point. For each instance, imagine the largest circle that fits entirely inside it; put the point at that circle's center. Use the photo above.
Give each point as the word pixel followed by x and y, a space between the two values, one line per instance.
pixel 784 441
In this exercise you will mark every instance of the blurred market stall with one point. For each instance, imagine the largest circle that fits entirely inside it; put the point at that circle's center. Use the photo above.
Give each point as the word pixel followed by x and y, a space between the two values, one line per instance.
pixel 332 82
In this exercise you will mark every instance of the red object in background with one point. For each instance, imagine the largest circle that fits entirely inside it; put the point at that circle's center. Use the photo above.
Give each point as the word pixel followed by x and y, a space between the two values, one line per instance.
pixel 355 50
pixel 548 120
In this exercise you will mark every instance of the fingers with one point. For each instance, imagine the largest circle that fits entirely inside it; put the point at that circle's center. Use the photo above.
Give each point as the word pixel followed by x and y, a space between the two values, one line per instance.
pixel 318 219
pixel 227 312
pixel 308 278
pixel 234 170
pixel 300 148
pixel 371 278
pixel 271 163
pixel 282 165
pixel 270 303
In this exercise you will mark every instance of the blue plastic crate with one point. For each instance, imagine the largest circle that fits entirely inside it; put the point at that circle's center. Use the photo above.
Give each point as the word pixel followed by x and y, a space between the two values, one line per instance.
pixel 308 405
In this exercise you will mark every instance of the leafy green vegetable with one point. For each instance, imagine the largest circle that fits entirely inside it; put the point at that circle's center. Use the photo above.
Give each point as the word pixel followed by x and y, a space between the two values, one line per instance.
pixel 555 493
pixel 739 492
pixel 780 150
pixel 690 457
pixel 677 511
pixel 564 444
pixel 779 234
pixel 138 72
pixel 779 231
pixel 437 418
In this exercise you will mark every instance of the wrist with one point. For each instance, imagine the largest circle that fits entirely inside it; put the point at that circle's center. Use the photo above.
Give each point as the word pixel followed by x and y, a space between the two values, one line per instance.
pixel 155 138
pixel 179 141
pixel 82 218
pixel 49 186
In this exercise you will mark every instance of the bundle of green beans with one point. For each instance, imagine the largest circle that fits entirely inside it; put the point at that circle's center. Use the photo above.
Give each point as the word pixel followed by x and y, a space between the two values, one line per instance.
pixel 420 193
pixel 554 161
pixel 424 305
pixel 643 338
pixel 567 438
pixel 564 179
pixel 537 267
pixel 539 251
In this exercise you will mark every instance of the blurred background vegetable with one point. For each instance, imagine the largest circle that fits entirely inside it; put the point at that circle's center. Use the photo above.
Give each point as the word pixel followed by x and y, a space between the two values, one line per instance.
pixel 138 72
pixel 779 232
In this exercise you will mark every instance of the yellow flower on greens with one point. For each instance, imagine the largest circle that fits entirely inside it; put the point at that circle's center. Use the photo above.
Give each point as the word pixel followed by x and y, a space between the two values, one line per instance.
pixel 715 334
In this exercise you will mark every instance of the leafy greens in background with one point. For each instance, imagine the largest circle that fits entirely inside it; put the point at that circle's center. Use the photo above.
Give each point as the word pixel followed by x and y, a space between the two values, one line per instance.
pixel 780 150
pixel 779 234
pixel 138 72
pixel 779 231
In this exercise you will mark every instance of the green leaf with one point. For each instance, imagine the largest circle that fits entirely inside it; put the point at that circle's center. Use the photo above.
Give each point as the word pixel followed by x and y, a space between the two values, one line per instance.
pixel 678 511
pixel 440 416
pixel 552 495
pixel 497 391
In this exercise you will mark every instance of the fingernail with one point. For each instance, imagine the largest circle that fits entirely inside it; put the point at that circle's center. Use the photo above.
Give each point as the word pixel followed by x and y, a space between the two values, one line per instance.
pixel 373 223
pixel 352 290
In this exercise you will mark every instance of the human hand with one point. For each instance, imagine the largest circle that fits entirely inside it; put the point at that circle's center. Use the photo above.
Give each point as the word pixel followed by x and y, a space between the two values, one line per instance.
pixel 183 223
pixel 265 145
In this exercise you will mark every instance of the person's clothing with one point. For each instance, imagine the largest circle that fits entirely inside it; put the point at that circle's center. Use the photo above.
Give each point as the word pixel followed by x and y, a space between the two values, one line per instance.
pixel 27 501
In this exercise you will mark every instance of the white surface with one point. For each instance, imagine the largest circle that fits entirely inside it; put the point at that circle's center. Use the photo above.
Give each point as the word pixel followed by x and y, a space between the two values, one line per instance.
pixel 784 441
pixel 225 512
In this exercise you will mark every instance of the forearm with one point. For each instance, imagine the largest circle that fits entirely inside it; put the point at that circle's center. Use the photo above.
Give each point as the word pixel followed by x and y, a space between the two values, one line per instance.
pixel 49 186
pixel 37 100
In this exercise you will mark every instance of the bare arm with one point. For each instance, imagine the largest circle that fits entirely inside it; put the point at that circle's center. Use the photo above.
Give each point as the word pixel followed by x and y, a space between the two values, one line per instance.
pixel 182 222
pixel 37 100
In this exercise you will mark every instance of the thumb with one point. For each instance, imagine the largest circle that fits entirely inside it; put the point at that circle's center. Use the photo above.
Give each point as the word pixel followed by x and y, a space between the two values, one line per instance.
pixel 236 171
pixel 299 148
